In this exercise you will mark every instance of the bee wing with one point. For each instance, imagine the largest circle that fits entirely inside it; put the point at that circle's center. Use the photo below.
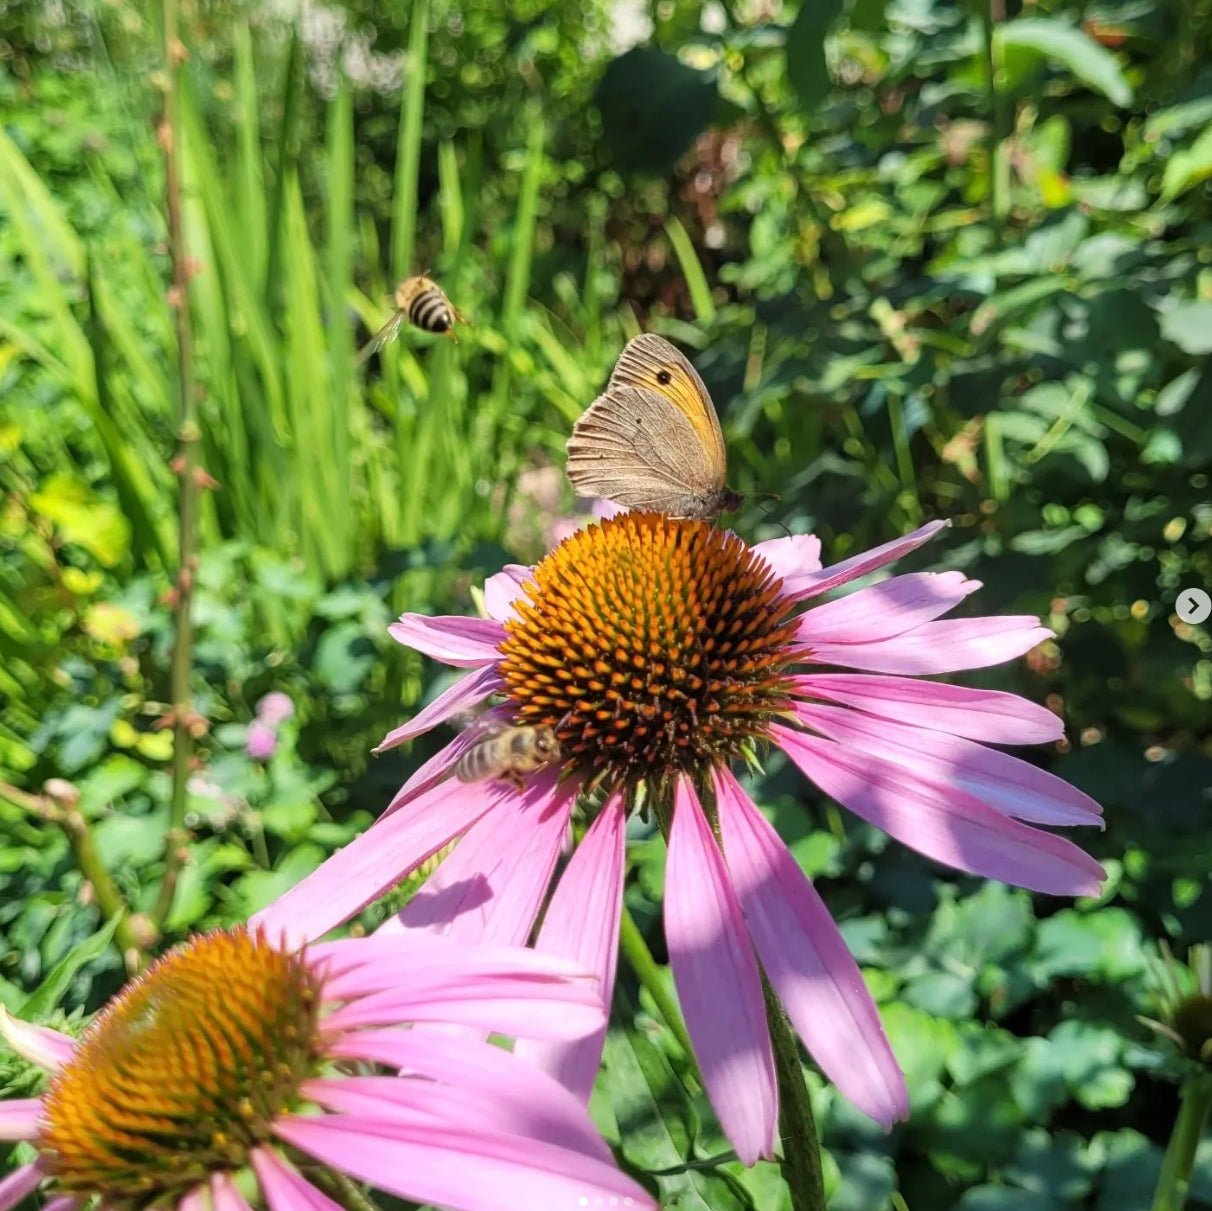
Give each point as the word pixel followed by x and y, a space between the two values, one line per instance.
pixel 380 338
pixel 479 727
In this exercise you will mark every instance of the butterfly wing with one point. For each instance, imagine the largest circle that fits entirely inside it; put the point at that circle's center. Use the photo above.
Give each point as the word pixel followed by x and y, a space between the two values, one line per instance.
pixel 651 363
pixel 637 448
pixel 380 338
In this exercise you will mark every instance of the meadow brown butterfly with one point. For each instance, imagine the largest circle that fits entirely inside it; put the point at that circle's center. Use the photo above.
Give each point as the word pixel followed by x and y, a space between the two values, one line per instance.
pixel 652 439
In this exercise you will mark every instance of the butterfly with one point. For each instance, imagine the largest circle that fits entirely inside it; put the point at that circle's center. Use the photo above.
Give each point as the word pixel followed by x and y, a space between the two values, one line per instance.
pixel 652 439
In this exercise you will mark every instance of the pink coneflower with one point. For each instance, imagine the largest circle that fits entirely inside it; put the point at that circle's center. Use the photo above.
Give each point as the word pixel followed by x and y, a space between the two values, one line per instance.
pixel 233 1069
pixel 663 651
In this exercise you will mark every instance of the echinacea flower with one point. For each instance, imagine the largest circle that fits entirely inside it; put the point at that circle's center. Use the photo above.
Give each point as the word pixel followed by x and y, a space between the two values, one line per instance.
pixel 662 651
pixel 233 1069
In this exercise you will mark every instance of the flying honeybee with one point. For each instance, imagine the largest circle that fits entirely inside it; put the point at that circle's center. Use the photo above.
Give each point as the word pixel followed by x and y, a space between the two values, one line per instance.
pixel 423 303
pixel 509 753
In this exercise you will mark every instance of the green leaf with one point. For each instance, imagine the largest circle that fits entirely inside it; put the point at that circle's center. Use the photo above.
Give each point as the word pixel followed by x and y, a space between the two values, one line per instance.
pixel 40 1003
pixel 653 107
pixel 1189 326
pixel 1072 48
pixel 807 70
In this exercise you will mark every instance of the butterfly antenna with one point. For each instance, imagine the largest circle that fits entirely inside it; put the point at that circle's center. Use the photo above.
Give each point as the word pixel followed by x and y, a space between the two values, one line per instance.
pixel 758 497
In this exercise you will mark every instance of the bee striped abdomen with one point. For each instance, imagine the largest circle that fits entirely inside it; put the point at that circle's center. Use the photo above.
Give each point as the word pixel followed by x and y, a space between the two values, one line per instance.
pixel 430 312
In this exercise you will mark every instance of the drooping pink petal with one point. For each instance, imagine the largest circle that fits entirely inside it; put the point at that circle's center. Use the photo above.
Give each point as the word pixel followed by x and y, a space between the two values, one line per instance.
pixel 793 556
pixel 196 1198
pixel 466 693
pixel 811 584
pixel 719 987
pixel 991 716
pixel 377 860
pixel 497 1078
pixel 940 647
pixel 464 1169
pixel 225 1194
pixel 491 887
pixel 582 925
pixel 942 821
pixel 19 1185
pixel 503 589
pixel 284 1187
pixel 463 642
pixel 807 960
pixel 19 1117
pixel 39 1045
pixel 63 1202
pixel 1007 784
pixel 885 610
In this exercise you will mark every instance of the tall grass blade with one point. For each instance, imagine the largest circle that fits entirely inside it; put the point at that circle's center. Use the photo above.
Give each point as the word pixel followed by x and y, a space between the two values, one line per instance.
pixel 408 145
pixel 285 158
pixel 692 271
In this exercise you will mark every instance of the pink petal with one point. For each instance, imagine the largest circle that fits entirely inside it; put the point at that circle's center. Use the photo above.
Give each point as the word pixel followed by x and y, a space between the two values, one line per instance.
pixel 718 983
pixel 503 589
pixel 354 966
pixel 603 508
pixel 464 642
pixel 442 763
pixel 940 647
pixel 493 884
pixel 284 1187
pixel 63 1202
pixel 468 692
pixel 885 610
pixel 582 924
pixel 807 960
pixel 38 1044
pixel 797 555
pixel 1007 784
pixel 19 1118
pixel 810 584
pixel 519 1102
pixel 497 991
pixel 942 821
pixel 19 1185
pixel 225 1194
pixel 196 1198
pixel 467 1169
pixel 495 1077
pixel 377 860
pixel 989 715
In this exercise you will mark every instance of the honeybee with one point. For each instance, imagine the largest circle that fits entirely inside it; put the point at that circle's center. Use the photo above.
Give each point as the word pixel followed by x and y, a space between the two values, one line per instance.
pixel 422 302
pixel 509 753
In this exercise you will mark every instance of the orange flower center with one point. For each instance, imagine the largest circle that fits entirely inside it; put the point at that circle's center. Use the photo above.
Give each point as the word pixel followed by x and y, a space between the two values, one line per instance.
pixel 653 645
pixel 183 1072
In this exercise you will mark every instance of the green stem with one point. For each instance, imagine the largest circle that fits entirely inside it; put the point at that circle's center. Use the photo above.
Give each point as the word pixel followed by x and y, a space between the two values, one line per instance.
pixel 131 933
pixel 633 946
pixel 999 165
pixel 186 465
pixel 801 1161
pixel 1175 1176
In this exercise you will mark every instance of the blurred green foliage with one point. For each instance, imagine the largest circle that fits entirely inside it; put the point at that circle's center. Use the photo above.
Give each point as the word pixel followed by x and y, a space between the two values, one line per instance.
pixel 932 258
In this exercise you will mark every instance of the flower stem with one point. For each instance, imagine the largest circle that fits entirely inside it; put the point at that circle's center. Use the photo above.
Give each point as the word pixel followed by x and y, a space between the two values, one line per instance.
pixel 801 1162
pixel 632 944
pixel 186 465
pixel 1175 1176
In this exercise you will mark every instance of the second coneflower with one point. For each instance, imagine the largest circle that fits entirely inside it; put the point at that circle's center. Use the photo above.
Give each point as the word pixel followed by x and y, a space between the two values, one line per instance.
pixel 235 1073
pixel 663 651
